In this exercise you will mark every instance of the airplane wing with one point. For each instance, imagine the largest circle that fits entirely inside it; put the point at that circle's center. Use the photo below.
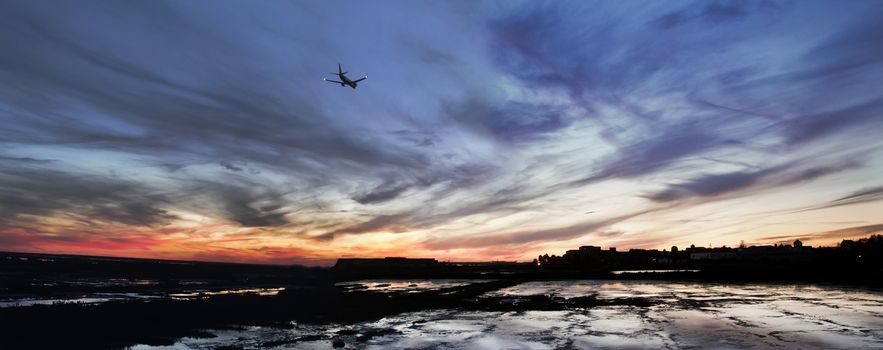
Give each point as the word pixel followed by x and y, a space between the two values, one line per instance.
pixel 363 78
pixel 333 81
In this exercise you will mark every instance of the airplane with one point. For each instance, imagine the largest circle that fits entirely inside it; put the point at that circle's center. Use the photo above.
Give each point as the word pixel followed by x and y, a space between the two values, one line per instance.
pixel 344 81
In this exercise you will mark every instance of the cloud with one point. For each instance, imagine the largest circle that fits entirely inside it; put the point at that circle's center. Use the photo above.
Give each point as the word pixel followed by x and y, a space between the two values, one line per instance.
pixel 230 166
pixel 160 113
pixel 25 160
pixel 716 13
pixel 390 190
pixel 657 153
pixel 240 199
pixel 144 103
pixel 531 236
pixel 862 196
pixel 41 191
pixel 713 185
pixel 708 185
pixel 219 116
pixel 376 224
pixel 381 194
pixel 844 233
pixel 607 68
pixel 507 122
pixel 90 243
pixel 865 195
pixel 850 59
pixel 816 126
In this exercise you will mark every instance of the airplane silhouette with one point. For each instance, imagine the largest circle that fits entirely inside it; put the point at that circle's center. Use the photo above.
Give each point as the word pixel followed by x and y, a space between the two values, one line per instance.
pixel 344 81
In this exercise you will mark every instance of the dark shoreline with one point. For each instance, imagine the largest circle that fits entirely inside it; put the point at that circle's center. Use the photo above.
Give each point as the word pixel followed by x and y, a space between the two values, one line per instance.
pixel 118 324
pixel 310 296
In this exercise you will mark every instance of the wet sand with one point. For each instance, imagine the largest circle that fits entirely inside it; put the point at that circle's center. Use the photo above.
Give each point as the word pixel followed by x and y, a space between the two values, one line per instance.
pixel 598 314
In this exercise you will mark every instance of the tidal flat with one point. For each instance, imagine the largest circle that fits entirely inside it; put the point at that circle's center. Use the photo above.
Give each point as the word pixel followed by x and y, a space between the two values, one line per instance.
pixel 588 314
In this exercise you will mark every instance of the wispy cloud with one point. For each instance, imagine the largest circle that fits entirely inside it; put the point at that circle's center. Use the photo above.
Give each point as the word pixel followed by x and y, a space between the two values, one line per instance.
pixel 216 124
pixel 845 233
pixel 713 185
pixel 865 195
pixel 531 236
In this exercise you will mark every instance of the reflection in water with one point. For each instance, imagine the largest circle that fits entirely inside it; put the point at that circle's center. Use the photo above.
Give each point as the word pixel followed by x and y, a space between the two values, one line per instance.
pixel 404 286
pixel 89 299
pixel 92 298
pixel 207 293
pixel 687 316
pixel 626 272
pixel 112 282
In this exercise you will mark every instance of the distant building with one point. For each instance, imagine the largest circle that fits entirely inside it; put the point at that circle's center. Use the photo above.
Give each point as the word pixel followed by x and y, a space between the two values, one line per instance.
pixel 487 264
pixel 590 249
pixel 583 252
pixel 385 263
pixel 798 244
pixel 713 255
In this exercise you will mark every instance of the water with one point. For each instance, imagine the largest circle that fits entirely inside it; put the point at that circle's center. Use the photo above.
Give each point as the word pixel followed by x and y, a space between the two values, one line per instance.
pixel 94 298
pixel 403 286
pixel 208 293
pixel 91 298
pixel 626 272
pixel 685 315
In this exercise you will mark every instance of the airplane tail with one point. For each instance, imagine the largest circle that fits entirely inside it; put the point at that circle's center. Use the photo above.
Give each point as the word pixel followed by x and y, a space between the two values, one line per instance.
pixel 339 71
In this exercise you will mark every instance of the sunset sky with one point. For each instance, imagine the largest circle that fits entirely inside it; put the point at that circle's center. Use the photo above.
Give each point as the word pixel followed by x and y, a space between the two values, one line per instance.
pixel 485 131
